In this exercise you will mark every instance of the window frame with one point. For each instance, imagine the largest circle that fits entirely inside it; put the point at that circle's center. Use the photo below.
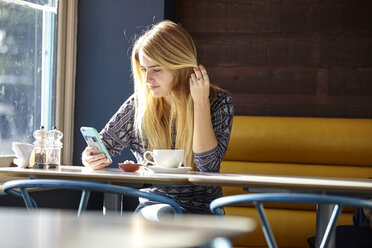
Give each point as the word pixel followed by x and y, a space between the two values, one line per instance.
pixel 65 79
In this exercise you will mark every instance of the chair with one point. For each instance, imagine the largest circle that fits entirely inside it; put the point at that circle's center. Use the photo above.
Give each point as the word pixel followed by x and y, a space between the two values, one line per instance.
pixel 86 187
pixel 258 199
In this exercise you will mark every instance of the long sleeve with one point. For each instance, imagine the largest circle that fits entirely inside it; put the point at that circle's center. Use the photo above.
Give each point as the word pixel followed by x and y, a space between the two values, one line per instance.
pixel 118 132
pixel 222 112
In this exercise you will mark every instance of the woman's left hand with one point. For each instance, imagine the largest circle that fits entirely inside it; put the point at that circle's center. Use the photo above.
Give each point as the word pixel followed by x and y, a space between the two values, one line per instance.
pixel 199 85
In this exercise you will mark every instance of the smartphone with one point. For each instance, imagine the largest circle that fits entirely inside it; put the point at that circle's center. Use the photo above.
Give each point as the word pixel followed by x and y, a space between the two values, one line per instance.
pixel 92 138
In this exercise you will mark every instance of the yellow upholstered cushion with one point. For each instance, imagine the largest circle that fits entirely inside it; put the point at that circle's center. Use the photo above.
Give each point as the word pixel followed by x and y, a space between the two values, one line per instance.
pixel 301 140
pixel 329 147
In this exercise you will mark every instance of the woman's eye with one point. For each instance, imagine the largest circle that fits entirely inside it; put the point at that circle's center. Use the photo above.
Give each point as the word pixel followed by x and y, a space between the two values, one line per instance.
pixel 156 70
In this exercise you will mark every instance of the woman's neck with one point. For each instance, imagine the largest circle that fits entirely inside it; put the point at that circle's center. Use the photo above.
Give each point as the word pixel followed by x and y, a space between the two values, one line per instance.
pixel 167 100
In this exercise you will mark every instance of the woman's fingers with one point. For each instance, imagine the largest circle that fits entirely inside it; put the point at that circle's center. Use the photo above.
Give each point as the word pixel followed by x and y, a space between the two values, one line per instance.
pixel 99 164
pixel 93 158
pixel 199 85
pixel 198 74
pixel 94 161
pixel 89 150
pixel 193 78
pixel 203 72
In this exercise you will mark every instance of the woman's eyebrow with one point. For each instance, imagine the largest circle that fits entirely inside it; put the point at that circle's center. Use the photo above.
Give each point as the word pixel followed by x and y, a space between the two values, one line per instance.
pixel 152 66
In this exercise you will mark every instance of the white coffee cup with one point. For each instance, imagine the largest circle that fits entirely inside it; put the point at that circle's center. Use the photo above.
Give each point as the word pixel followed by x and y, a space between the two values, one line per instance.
pixel 165 158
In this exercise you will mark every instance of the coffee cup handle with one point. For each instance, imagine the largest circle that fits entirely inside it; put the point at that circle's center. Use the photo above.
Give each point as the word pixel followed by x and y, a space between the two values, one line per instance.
pixel 147 161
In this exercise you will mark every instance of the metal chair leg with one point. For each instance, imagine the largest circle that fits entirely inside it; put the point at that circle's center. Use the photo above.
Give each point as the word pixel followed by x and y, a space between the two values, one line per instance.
pixel 266 226
pixel 30 203
pixel 85 194
pixel 337 210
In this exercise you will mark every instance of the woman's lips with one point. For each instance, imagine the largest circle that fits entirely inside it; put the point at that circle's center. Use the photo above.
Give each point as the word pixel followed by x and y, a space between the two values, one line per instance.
pixel 153 87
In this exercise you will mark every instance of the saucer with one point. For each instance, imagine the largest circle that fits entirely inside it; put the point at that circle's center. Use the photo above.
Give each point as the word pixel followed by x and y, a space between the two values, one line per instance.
pixel 161 169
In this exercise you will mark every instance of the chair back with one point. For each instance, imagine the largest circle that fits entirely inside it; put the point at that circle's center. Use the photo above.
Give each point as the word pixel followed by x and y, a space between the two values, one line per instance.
pixel 258 199
pixel 86 187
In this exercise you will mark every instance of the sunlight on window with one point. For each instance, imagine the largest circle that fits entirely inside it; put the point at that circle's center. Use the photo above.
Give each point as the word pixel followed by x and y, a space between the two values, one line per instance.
pixel 28 32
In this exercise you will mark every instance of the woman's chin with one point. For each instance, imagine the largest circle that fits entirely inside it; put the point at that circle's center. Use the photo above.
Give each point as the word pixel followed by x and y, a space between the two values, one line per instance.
pixel 156 94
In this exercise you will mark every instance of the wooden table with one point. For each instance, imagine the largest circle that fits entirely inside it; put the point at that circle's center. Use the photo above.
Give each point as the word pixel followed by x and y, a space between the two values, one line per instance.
pixel 58 228
pixel 269 183
pixel 107 175
pixel 291 183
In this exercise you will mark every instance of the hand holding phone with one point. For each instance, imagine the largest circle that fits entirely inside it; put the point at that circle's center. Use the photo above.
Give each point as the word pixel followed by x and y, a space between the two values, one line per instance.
pixel 92 138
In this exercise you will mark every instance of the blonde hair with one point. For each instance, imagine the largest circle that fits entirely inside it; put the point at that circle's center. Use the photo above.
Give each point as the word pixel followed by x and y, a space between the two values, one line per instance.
pixel 169 45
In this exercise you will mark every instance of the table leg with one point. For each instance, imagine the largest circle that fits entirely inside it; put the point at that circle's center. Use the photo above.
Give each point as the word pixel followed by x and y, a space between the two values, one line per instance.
pixel 112 203
pixel 323 214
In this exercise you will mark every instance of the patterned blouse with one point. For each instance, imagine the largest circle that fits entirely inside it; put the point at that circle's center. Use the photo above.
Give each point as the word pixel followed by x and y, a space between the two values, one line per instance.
pixel 119 133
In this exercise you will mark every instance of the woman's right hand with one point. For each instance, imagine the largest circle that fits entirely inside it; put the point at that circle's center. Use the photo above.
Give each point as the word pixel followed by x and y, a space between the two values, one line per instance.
pixel 95 162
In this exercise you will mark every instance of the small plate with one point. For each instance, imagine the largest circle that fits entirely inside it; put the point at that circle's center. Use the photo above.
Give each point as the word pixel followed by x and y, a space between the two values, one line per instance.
pixel 161 169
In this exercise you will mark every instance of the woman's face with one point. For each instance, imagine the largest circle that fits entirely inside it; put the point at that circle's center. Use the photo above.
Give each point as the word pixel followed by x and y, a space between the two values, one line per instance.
pixel 159 79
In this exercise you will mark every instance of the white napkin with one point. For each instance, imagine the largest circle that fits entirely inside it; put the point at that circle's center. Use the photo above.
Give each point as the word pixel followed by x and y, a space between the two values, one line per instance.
pixel 23 152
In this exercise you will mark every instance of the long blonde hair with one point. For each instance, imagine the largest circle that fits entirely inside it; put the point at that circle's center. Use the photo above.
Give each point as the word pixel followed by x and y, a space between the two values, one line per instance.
pixel 169 45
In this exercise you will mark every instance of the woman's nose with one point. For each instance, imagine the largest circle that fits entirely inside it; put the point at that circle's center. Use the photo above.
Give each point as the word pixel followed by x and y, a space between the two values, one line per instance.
pixel 148 77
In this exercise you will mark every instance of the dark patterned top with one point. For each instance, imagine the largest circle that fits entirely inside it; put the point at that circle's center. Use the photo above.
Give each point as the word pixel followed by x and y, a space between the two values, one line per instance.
pixel 119 133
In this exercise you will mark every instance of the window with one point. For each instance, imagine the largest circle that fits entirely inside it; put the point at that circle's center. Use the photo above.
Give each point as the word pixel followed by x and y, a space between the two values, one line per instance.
pixel 32 86
pixel 27 69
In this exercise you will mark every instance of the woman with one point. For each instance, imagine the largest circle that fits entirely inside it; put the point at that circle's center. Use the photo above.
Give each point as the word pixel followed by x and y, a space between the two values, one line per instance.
pixel 173 107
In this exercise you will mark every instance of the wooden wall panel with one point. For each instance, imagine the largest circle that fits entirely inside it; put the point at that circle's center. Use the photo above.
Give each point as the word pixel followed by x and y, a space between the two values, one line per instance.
pixel 261 16
pixel 264 81
pixel 350 83
pixel 286 57
pixel 284 50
